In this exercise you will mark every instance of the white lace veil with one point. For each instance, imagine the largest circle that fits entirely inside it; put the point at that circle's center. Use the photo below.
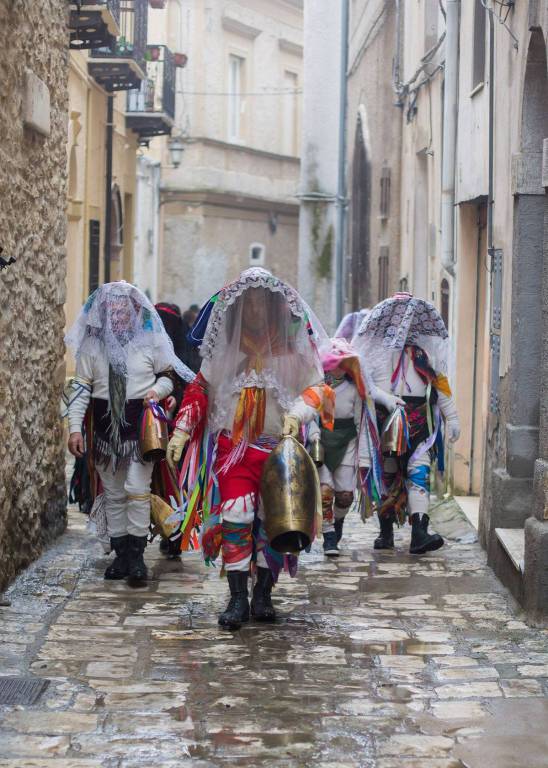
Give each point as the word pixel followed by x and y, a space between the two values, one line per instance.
pixel 350 324
pixel 260 334
pixel 400 320
pixel 118 318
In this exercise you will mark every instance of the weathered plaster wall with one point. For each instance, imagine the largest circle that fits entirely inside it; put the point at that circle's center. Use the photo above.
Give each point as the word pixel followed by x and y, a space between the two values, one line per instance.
pixel 211 244
pixel 32 229
pixel 372 46
pixel 229 193
pixel 319 166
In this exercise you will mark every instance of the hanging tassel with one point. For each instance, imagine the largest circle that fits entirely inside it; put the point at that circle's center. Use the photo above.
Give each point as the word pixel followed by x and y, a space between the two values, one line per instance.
pixel 395 435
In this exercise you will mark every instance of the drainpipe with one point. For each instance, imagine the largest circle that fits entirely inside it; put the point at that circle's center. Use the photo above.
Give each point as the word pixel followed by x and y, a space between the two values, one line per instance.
pixel 490 201
pixel 108 186
pixel 450 107
pixel 397 58
pixel 341 186
pixel 473 414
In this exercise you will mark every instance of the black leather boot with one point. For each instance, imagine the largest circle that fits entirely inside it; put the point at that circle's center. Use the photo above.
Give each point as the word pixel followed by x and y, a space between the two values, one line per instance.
pixel 237 610
pixel 118 569
pixel 137 570
pixel 164 546
pixel 261 603
pixel 339 522
pixel 421 540
pixel 386 538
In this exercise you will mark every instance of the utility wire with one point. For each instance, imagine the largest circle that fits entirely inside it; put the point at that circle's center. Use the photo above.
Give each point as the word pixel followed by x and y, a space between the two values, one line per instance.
pixel 290 92
pixel 500 20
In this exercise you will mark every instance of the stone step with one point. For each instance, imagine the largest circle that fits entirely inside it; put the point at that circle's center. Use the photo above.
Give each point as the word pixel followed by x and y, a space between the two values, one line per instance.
pixel 513 541
pixel 470 506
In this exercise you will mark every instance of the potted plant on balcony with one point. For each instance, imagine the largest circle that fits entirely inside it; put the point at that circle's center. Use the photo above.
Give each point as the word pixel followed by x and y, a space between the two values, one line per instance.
pixel 180 59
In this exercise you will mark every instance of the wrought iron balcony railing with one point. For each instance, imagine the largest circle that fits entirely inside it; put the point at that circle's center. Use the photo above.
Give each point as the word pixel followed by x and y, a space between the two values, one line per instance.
pixel 151 108
pixel 93 23
pixel 122 65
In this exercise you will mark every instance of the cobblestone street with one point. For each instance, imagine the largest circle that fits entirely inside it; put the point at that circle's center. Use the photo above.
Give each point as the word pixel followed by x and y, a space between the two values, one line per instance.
pixel 377 660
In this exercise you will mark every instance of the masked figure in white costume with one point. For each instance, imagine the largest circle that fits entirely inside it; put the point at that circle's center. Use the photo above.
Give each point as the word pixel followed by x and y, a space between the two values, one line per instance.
pixel 405 346
pixel 124 360
pixel 261 377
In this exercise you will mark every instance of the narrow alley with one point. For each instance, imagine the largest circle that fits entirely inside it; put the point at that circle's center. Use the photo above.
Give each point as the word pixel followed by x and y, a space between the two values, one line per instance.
pixel 377 660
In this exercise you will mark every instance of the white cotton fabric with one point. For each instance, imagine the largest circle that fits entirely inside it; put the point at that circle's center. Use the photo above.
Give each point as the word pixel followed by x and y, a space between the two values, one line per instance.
pixel 381 370
pixel 124 513
pixel 344 478
pixel 142 370
pixel 348 405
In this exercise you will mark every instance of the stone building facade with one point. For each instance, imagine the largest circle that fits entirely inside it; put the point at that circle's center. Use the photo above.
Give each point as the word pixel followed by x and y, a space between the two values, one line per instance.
pixel 514 509
pixel 101 223
pixel 365 268
pixel 472 108
pixel 232 200
pixel 33 125
pixel 373 156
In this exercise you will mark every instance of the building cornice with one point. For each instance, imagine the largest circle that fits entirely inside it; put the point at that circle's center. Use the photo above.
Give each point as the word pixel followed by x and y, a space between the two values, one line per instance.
pixel 232 24
pixel 290 47
pixel 242 148
pixel 227 199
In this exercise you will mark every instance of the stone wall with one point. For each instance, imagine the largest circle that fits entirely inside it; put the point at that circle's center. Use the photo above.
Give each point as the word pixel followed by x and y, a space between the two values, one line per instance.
pixel 33 37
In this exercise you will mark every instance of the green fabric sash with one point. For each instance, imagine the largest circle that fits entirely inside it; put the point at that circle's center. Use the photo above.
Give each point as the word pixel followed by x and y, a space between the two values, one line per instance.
pixel 336 442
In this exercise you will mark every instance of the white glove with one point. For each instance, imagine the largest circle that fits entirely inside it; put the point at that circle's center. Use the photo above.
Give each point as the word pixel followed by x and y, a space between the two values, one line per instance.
pixel 389 400
pixel 175 447
pixel 453 430
pixel 291 426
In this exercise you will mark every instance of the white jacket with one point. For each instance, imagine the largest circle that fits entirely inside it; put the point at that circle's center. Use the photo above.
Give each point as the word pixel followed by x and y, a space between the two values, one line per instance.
pixel 142 376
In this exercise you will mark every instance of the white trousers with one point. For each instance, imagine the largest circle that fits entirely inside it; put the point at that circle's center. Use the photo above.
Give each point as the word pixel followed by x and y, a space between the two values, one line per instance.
pixel 344 478
pixel 127 498
pixel 418 498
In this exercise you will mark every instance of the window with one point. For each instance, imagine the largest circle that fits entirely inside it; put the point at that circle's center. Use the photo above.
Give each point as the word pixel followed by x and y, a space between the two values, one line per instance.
pixel 94 248
pixel 445 302
pixel 385 192
pixel 175 26
pixel 383 271
pixel 256 254
pixel 478 58
pixel 235 104
pixel 116 225
pixel 290 114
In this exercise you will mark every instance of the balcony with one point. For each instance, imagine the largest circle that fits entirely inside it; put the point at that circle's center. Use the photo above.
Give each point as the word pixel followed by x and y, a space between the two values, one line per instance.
pixel 151 108
pixel 93 24
pixel 121 66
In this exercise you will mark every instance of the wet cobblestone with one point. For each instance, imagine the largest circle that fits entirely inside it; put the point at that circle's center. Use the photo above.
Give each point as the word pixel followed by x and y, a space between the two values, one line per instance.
pixel 378 660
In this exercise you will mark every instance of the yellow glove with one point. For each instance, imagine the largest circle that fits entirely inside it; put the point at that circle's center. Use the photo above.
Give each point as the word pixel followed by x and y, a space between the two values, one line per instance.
pixel 291 426
pixel 175 447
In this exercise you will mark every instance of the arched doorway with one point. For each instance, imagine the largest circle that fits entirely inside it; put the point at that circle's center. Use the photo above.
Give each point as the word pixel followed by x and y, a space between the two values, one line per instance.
pixel 360 236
